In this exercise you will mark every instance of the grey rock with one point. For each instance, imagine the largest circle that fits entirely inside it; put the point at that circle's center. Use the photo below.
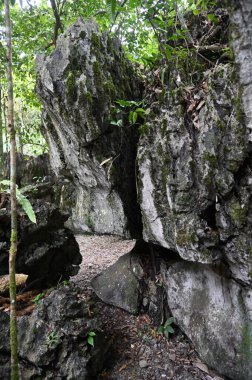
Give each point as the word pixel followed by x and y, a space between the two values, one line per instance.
pixel 143 364
pixel 29 169
pixel 189 196
pixel 47 251
pixel 241 28
pixel 212 312
pixel 131 284
pixel 53 340
pixel 78 85
pixel 194 182
pixel 118 285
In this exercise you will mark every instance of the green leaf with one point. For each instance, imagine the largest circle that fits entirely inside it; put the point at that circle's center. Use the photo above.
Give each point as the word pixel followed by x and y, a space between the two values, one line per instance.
pixel 213 18
pixel 119 122
pixel 128 103
pixel 27 207
pixel 140 111
pixel 123 103
pixel 169 321
pixel 91 333
pixel 132 117
pixel 112 8
pixel 90 340
pixel 170 329
pixel 22 200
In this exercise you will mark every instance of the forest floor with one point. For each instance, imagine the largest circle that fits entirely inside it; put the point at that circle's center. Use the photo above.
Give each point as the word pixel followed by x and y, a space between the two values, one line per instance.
pixel 138 353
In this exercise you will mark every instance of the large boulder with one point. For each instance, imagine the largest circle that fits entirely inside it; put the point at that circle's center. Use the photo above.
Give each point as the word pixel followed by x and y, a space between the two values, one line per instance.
pixel 119 284
pixel 53 340
pixel 193 198
pixel 78 85
pixel 215 313
pixel 132 282
pixel 47 251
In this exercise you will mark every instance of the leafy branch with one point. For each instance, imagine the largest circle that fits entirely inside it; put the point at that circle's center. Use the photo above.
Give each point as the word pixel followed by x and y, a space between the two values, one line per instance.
pixel 22 200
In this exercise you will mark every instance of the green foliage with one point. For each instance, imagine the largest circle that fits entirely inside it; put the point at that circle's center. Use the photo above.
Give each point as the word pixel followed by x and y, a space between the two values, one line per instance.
pixel 112 9
pixel 150 32
pixel 132 109
pixel 22 200
pixel 90 338
pixel 52 339
pixel 166 329
pixel 38 298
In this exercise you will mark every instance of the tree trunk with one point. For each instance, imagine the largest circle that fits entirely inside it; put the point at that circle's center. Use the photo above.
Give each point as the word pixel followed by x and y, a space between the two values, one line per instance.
pixel 58 25
pixel 1 136
pixel 13 245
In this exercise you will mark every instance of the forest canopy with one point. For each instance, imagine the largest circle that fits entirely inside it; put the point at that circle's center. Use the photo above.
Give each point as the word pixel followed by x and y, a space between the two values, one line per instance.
pixel 150 30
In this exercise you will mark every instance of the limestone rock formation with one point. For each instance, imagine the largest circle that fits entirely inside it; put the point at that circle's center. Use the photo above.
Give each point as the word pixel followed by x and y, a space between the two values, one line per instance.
pixel 119 284
pixel 47 251
pixel 210 309
pixel 195 197
pixel 194 177
pixel 78 85
pixel 130 283
pixel 29 169
pixel 189 194
pixel 53 340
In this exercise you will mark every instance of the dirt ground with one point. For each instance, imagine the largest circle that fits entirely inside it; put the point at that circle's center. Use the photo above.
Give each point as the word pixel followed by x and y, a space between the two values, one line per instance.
pixel 138 353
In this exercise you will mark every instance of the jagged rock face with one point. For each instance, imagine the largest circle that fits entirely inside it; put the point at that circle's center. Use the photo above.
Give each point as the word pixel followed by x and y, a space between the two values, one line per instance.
pixel 195 196
pixel 195 184
pixel 53 340
pixel 241 32
pixel 47 251
pixel 78 84
pixel 29 169
pixel 194 181
pixel 210 309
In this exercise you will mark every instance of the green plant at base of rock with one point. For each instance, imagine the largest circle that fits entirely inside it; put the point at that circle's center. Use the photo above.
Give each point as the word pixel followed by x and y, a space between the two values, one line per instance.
pixel 166 329
pixel 90 338
pixel 38 298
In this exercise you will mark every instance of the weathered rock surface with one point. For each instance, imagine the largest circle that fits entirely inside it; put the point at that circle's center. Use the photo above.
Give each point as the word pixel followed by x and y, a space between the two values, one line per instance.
pixel 78 85
pixel 213 312
pixel 47 251
pixel 119 284
pixel 53 340
pixel 194 180
pixel 241 32
pixel 192 198
pixel 29 169
pixel 195 197
pixel 131 283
